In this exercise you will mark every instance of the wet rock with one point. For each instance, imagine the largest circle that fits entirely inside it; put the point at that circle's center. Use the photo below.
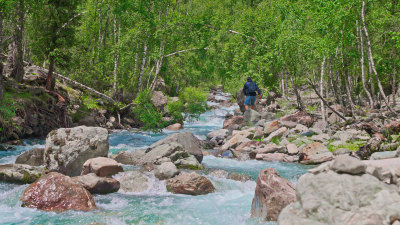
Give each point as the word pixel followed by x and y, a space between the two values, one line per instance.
pixel 233 123
pixel 331 198
pixel 133 181
pixel 292 149
pixel 271 127
pixel 219 174
pixel 276 134
pixel 20 173
pixel 187 140
pixel 32 157
pixel 67 149
pixel 166 170
pixel 128 158
pixel 348 164
pixel 176 126
pixel 58 193
pixel 299 117
pixel 102 167
pixel 315 153
pixel 98 185
pixel 159 100
pixel 190 184
pixel 272 194
pixel 239 177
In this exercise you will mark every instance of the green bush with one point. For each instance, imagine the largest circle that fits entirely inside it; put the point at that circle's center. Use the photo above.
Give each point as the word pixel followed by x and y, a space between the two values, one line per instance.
pixel 175 109
pixel 195 102
pixel 90 103
pixel 8 106
pixel 147 113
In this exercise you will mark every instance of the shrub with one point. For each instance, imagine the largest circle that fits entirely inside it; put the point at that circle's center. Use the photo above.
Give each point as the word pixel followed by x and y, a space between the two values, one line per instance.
pixel 175 109
pixel 90 103
pixel 147 113
pixel 8 106
pixel 195 102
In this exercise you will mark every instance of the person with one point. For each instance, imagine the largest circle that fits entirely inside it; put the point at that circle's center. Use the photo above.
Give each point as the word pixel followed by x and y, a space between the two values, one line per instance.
pixel 250 90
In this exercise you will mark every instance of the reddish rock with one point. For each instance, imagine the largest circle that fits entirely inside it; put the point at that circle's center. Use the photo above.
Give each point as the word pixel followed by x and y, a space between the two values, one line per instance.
pixel 271 127
pixel 190 184
pixel 176 126
pixel 233 122
pixel 272 194
pixel 102 167
pixel 299 117
pixel 58 193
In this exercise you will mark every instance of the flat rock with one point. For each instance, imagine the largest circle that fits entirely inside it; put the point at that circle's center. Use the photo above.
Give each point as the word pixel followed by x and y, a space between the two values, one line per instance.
pixel 98 185
pixel 128 158
pixel 102 167
pixel 383 155
pixel 57 192
pixel 32 157
pixel 20 173
pixel 190 184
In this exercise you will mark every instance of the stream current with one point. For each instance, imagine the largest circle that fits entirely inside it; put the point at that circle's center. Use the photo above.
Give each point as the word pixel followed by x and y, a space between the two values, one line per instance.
pixel 230 204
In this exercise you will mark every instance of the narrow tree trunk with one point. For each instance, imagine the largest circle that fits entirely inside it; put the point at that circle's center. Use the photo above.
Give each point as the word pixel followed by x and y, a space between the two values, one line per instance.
pixel 394 80
pixel 1 51
pixel 321 82
pixel 372 59
pixel 142 67
pixel 296 91
pixel 18 65
pixel 49 79
pixel 115 56
pixel 371 101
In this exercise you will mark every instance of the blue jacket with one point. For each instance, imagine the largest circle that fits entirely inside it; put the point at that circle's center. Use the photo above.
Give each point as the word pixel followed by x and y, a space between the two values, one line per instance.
pixel 250 89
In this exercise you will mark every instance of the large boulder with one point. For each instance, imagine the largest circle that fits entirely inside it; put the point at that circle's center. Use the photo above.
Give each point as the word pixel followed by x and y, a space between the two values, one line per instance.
pixel 133 181
pixel 157 153
pixel 166 170
pixel 20 173
pixel 58 193
pixel 190 184
pixel 299 117
pixel 98 185
pixel 102 167
pixel 128 158
pixel 315 153
pixel 159 100
pixel 32 157
pixel 272 194
pixel 331 198
pixel 188 141
pixel 67 149
pixel 251 117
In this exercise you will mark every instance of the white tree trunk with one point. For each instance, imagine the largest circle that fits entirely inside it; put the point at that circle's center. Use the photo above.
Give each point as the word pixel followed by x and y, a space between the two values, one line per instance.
pixel 371 101
pixel 142 67
pixel 321 82
pixel 116 57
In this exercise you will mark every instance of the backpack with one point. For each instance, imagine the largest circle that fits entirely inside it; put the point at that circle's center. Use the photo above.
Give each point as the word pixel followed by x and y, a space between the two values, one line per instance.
pixel 251 88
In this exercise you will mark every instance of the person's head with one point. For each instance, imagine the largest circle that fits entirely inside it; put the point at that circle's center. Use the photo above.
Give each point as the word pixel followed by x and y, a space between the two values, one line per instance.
pixel 249 79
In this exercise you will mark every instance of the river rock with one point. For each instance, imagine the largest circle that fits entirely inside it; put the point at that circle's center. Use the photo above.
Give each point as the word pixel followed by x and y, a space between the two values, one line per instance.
pixel 271 127
pixel 272 194
pixel 98 185
pixel 233 123
pixel 32 157
pixel 160 151
pixel 299 117
pixel 176 126
pixel 133 181
pixel 67 149
pixel 102 167
pixel 218 135
pixel 187 140
pixel 128 158
pixel 190 184
pixel 57 192
pixel 292 149
pixel 166 170
pixel 271 157
pixel 315 153
pixel 239 177
pixel 159 100
pixel 251 116
pixel 276 134
pixel 271 148
pixel 348 164
pixel 234 142
pixel 331 198
pixel 185 161
pixel 383 155
pixel 20 173
pixel 219 174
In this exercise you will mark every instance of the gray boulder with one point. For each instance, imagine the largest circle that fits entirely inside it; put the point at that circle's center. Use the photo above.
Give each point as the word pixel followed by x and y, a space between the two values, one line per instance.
pixel 331 198
pixel 67 149
pixel 20 173
pixel 187 140
pixel 128 158
pixel 133 181
pixel 218 135
pixel 166 170
pixel 348 164
pixel 160 151
pixel 32 157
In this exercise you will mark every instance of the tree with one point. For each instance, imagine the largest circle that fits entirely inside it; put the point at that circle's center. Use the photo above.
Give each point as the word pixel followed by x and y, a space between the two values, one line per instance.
pixel 17 55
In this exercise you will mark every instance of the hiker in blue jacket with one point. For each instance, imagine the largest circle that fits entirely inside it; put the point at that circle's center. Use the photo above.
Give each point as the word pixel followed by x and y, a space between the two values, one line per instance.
pixel 251 89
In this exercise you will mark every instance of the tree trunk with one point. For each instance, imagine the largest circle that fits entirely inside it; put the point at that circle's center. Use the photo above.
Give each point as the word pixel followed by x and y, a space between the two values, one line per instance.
pixel 142 67
pixel 49 79
pixel 296 91
pixel 371 59
pixel 18 64
pixel 1 62
pixel 371 101
pixel 394 80
pixel 116 39
pixel 321 82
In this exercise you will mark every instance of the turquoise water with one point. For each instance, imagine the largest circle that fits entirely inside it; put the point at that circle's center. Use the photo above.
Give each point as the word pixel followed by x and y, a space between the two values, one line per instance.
pixel 229 204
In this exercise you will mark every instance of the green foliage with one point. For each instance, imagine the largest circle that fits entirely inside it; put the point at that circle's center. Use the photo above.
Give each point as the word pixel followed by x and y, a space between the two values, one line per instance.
pixel 8 106
pixel 175 109
pixel 311 108
pixel 195 102
pixel 276 140
pixel 147 113
pixel 352 146
pixel 90 103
